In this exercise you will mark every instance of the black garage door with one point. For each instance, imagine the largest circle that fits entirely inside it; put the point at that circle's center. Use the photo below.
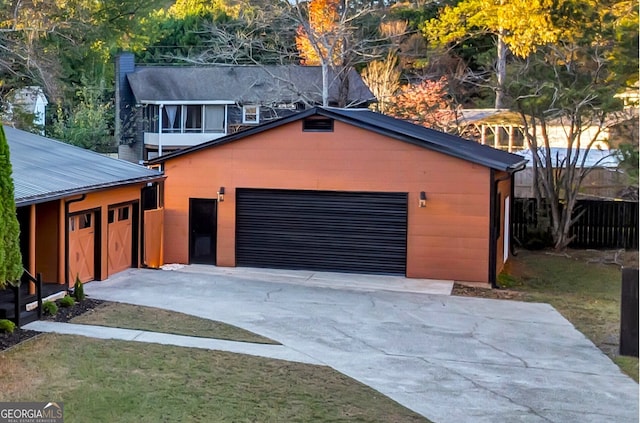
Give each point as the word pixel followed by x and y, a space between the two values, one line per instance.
pixel 360 232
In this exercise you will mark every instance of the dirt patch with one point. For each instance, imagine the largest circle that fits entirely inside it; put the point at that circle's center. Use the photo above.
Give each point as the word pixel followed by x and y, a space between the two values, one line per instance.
pixel 498 294
pixel 8 340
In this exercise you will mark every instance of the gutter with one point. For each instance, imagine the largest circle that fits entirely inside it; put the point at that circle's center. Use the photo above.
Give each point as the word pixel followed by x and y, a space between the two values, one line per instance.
pixel 36 199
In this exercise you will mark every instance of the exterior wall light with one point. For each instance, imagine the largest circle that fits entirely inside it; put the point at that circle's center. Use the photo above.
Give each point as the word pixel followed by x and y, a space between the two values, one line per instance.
pixel 423 199
pixel 221 194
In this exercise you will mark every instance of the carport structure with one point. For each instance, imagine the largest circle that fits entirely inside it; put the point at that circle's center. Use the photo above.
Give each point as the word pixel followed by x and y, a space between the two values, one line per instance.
pixel 80 212
pixel 342 190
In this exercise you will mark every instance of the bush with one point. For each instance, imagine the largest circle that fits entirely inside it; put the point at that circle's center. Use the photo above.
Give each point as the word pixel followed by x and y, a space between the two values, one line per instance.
pixel 67 301
pixel 78 290
pixel 7 326
pixel 49 307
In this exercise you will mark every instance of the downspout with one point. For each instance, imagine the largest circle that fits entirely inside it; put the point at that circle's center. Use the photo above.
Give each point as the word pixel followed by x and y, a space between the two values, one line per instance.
pixel 66 236
pixel 494 231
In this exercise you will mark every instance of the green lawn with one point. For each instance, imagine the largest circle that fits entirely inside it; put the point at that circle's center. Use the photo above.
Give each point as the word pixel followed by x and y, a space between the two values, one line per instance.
pixel 582 285
pixel 120 381
pixel 129 316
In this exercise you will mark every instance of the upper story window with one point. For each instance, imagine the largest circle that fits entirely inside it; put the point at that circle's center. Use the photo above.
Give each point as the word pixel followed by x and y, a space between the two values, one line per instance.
pixel 251 114
pixel 189 118
pixel 171 121
pixel 192 118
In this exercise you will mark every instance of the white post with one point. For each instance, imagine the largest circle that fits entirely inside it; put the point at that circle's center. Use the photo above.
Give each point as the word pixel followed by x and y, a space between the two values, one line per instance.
pixel 160 130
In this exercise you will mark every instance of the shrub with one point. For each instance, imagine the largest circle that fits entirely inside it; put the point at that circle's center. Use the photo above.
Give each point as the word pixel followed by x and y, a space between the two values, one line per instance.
pixel 78 290
pixel 67 301
pixel 7 326
pixel 49 307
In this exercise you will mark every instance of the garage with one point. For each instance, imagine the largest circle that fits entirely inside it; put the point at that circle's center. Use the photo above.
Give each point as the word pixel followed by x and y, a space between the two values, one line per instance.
pixel 364 232
pixel 348 191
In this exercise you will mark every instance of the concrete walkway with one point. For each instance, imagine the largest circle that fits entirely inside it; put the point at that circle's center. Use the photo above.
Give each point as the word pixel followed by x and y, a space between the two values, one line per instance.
pixel 279 352
pixel 451 359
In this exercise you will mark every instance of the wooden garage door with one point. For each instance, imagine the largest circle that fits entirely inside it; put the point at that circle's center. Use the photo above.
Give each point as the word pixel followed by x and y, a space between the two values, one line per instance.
pixel 82 247
pixel 359 232
pixel 120 232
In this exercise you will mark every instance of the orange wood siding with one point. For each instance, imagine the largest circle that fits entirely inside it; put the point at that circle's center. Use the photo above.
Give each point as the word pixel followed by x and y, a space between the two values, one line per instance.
pixel 448 239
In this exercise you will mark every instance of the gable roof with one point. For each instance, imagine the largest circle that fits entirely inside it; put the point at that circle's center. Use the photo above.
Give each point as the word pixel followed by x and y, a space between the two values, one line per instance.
pixel 45 169
pixel 244 84
pixel 441 142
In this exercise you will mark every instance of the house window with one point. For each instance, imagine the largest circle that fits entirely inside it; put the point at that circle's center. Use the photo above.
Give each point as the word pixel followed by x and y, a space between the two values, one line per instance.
pixel 85 221
pixel 214 118
pixel 250 114
pixel 150 118
pixel 192 118
pixel 123 213
pixel 171 120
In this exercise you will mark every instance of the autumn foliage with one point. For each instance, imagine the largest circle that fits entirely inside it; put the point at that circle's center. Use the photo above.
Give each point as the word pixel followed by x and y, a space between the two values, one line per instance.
pixel 320 38
pixel 426 104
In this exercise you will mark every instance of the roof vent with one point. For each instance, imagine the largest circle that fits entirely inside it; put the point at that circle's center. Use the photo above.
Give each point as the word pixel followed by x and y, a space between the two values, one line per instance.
pixel 317 125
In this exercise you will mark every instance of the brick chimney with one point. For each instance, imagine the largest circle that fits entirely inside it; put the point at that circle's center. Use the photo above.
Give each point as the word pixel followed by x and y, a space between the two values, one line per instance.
pixel 126 126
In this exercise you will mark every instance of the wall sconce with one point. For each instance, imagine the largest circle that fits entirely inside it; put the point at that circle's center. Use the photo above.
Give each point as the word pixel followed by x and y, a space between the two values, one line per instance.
pixel 221 194
pixel 423 199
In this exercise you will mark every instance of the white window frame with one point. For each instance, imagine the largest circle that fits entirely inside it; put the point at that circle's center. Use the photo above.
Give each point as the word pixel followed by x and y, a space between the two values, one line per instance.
pixel 247 113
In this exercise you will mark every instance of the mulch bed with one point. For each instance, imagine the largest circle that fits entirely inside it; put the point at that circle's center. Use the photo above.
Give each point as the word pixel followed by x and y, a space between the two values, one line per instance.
pixel 65 314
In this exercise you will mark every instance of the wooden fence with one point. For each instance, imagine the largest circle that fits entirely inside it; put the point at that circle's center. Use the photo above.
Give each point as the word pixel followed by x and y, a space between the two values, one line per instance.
pixel 601 224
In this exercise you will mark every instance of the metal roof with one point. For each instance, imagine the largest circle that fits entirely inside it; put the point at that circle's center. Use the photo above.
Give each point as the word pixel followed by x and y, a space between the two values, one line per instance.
pixel 431 139
pixel 45 169
pixel 243 84
pixel 594 157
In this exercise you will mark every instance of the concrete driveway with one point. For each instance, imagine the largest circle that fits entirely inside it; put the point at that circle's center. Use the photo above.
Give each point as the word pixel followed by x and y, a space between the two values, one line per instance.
pixel 451 359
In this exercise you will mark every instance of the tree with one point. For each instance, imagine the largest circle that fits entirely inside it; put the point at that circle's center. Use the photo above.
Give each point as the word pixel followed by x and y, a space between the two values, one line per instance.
pixel 572 84
pixel 10 256
pixel 320 40
pixel 519 26
pixel 53 43
pixel 326 37
pixel 268 36
pixel 88 125
pixel 383 79
pixel 425 104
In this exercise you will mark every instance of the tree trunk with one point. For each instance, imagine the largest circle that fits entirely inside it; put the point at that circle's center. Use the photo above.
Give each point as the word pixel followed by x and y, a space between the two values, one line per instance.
pixel 501 71
pixel 325 82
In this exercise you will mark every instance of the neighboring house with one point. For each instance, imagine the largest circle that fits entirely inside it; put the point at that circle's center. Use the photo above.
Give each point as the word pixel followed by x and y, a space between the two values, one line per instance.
pixel 81 214
pixel 342 190
pixel 27 101
pixel 165 108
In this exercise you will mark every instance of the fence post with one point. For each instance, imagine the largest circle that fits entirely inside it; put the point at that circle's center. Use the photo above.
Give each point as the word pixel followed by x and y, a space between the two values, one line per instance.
pixel 629 312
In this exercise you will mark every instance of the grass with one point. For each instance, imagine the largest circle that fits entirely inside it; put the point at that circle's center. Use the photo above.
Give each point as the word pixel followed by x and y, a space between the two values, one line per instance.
pixel 582 288
pixel 128 316
pixel 109 380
